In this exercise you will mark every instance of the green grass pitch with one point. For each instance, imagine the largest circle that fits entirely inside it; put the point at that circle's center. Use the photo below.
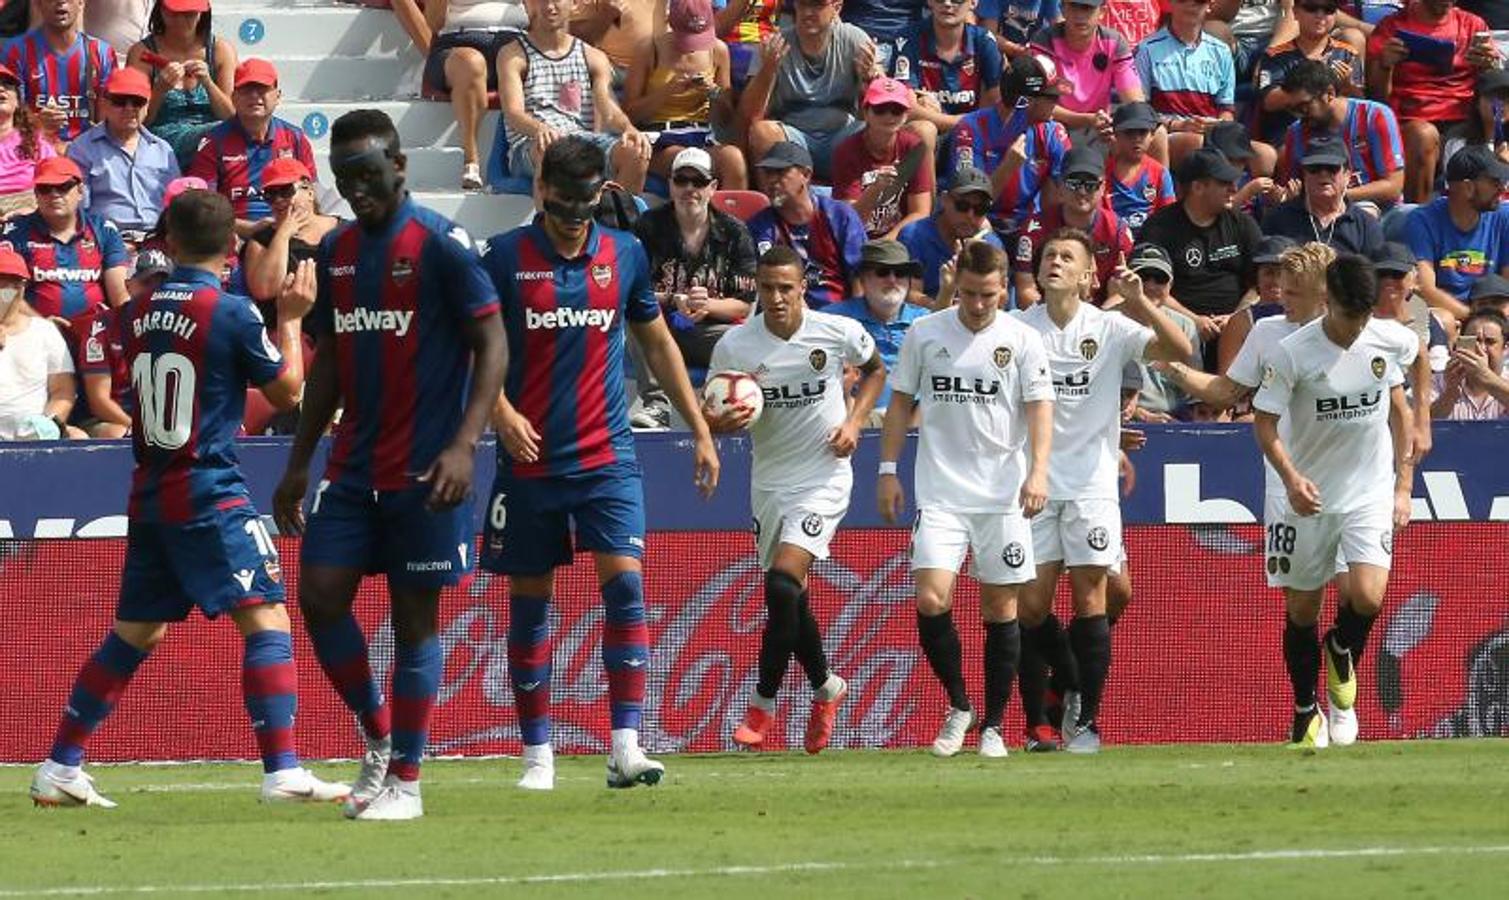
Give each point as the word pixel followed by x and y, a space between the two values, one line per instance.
pixel 1425 819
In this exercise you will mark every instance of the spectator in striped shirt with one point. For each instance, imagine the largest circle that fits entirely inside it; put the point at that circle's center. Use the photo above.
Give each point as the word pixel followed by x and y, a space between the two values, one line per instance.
pixel 1189 74
pixel 64 68
pixel 1368 131
pixel 1473 386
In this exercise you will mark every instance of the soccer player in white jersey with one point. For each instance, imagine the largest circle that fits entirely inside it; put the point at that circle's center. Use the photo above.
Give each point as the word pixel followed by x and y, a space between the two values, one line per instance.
pixel 1302 278
pixel 799 488
pixel 981 382
pixel 1080 527
pixel 1345 459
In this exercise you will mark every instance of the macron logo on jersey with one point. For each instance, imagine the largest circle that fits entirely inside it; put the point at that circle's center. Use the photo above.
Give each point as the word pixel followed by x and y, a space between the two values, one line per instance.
pixel 601 319
pixel 394 320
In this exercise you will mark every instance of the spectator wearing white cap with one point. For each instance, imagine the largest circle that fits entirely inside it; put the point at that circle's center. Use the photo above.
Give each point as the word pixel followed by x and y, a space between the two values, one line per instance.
pixel 126 167
pixel 681 87
pixel 702 269
pixel 885 170
pixel 36 369
pixel 192 71
pixel 463 60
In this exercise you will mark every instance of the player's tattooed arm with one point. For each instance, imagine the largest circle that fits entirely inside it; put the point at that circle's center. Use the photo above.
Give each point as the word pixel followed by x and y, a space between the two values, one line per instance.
pixel 1171 343
pixel 1216 391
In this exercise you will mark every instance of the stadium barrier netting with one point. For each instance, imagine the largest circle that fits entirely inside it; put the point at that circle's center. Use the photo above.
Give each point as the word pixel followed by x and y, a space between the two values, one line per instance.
pixel 1196 656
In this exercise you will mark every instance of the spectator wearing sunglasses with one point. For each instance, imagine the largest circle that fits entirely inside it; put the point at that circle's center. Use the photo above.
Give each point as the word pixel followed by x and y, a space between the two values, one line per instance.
pixel 1159 398
pixel 1368 130
pixel 1318 39
pixel 961 217
pixel 886 270
pixel 1078 201
pixel 274 251
pixel 868 167
pixel 126 167
pixel 1321 213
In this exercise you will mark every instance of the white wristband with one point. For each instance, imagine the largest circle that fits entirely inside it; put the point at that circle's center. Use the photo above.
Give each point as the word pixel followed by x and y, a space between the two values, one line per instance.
pixel 886 468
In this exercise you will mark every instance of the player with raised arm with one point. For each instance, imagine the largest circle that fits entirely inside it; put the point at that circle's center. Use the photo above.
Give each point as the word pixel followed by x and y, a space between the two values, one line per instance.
pixel 981 382
pixel 410 346
pixel 800 485
pixel 194 537
pixel 1080 526
pixel 565 451
pixel 1333 422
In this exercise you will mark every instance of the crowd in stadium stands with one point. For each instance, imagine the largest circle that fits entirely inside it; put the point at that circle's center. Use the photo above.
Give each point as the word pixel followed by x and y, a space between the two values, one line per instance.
pixel 1196 142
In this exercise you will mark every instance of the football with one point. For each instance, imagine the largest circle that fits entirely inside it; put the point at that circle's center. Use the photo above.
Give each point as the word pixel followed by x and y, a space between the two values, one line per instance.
pixel 725 390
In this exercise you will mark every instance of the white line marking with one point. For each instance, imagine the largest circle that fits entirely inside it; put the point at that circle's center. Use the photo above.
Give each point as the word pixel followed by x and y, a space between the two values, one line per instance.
pixel 1153 859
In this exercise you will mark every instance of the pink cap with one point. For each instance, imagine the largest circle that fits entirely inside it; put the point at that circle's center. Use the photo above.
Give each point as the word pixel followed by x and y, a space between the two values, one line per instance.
pixel 888 90
pixel 179 185
pixel 691 24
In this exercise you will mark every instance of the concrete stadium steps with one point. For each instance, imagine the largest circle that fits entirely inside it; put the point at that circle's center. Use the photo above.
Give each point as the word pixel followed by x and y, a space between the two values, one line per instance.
pixel 332 31
pixel 482 215
pixel 421 123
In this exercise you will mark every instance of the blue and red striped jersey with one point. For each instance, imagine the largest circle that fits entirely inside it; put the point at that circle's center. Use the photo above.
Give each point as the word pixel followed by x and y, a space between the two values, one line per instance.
pixel 829 245
pixel 70 81
pixel 565 322
pixel 1150 189
pixel 396 302
pixel 957 83
pixel 982 138
pixel 1185 80
pixel 232 162
pixel 191 349
pixel 1369 131
pixel 66 277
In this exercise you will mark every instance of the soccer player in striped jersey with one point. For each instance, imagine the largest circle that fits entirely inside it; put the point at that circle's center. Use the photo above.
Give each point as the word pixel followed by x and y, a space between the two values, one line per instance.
pixel 194 538
pixel 410 346
pixel 1333 421
pixel 63 69
pixel 565 452
pixel 1080 527
pixel 981 383
pixel 799 487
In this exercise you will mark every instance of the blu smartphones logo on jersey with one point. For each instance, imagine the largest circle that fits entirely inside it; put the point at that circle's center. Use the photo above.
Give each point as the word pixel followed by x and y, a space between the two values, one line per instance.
pixel 789 396
pixel 557 319
pixel 1351 407
pixel 957 389
pixel 358 320
pixel 1075 384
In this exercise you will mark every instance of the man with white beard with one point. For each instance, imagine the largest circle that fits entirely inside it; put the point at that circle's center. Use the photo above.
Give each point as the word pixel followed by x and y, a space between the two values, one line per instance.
pixel 886 270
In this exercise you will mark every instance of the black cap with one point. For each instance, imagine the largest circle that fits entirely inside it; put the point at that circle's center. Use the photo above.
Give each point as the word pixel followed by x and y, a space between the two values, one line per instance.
pixel 888 253
pixel 1494 81
pixel 1208 163
pixel 784 155
pixel 1270 248
pixel 1324 150
pixel 1083 159
pixel 1150 257
pixel 969 180
pixel 1135 116
pixel 1231 139
pixel 1489 286
pixel 152 262
pixel 1395 259
pixel 1476 161
pixel 1030 76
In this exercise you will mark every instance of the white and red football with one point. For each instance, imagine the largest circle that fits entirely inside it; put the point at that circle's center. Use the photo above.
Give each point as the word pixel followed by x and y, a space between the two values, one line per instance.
pixel 724 391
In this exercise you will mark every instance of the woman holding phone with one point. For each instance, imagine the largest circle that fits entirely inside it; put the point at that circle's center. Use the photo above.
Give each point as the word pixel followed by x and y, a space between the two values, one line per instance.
pixel 191 71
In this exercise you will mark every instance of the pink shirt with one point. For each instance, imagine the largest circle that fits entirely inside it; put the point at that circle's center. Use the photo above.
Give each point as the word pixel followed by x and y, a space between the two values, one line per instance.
pixel 1092 84
pixel 16 174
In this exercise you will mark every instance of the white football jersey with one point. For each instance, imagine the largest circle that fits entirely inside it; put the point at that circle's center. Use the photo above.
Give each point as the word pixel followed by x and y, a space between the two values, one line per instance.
pixel 971 388
pixel 1086 357
pixel 1247 370
pixel 1337 404
pixel 802 381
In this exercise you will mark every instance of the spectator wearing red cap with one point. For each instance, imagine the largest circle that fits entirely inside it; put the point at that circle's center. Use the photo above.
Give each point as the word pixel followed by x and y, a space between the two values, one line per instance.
pixel 681 87
pixel 233 156
pixel 77 259
pixel 275 250
pixel 463 60
pixel 621 29
pixel 126 167
pixel 20 149
pixel 64 68
pixel 36 371
pixel 885 170
pixel 191 70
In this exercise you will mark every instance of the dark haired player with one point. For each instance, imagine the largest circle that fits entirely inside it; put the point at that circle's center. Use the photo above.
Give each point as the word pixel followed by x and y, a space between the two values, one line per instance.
pixel 1346 461
pixel 194 538
pixel 565 451
pixel 410 346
